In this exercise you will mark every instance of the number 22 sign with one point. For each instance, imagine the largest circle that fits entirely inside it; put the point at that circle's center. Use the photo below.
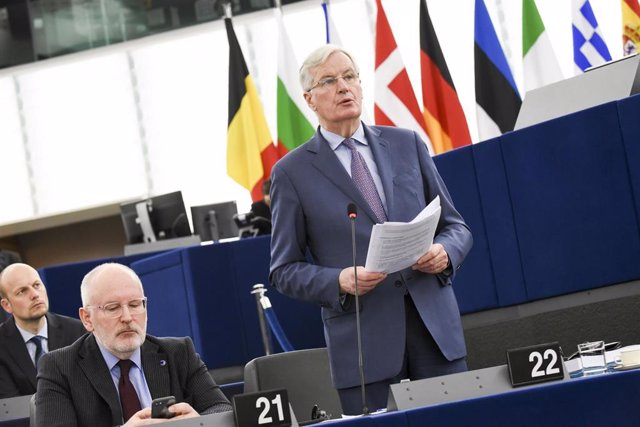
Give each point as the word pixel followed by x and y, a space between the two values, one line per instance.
pixel 535 364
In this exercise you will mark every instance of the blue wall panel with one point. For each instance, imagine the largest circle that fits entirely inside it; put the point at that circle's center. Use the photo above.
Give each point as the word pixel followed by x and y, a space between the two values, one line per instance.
pixel 498 216
pixel 474 283
pixel 572 203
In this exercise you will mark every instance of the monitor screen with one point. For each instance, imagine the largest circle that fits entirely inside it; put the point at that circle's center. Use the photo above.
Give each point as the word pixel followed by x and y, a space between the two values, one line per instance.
pixel 215 221
pixel 156 218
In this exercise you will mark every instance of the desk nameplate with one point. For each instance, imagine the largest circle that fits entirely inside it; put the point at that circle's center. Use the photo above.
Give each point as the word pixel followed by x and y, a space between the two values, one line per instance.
pixel 535 364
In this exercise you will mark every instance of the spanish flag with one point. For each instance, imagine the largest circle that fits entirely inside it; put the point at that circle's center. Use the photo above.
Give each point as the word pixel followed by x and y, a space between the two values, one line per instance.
pixel 630 26
pixel 443 115
pixel 250 149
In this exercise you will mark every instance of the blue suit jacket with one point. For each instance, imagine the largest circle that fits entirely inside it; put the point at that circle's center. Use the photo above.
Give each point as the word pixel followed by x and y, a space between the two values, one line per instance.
pixel 311 244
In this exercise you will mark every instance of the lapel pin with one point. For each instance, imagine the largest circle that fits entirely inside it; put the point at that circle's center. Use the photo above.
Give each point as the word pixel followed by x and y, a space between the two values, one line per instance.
pixel 163 362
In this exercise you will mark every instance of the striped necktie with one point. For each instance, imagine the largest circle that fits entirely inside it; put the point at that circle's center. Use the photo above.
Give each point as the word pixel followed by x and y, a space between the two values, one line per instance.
pixel 364 181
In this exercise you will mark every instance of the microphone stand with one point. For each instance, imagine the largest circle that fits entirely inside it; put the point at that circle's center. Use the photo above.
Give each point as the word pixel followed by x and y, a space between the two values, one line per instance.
pixel 365 410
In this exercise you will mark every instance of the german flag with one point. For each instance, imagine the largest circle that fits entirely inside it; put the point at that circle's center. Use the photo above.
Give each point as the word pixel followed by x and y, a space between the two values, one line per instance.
pixel 250 149
pixel 446 124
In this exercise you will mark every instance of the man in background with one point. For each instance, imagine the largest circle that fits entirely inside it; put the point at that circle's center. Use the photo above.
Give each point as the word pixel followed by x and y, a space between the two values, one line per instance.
pixel 31 331
pixel 111 375
pixel 262 208
pixel 7 258
pixel 410 321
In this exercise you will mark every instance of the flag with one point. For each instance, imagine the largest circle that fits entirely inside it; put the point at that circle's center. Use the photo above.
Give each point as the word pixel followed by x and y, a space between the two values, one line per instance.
pixel 250 149
pixel 395 102
pixel 630 26
pixel 294 128
pixel 540 63
pixel 445 121
pixel 334 38
pixel 589 48
pixel 497 98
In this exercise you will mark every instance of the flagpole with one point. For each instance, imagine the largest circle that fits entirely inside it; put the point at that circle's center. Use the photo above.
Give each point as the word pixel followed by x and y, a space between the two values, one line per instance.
pixel 227 9
pixel 325 9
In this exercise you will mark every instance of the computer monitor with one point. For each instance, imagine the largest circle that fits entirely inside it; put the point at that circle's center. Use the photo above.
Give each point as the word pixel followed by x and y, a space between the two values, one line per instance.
pixel 156 218
pixel 215 221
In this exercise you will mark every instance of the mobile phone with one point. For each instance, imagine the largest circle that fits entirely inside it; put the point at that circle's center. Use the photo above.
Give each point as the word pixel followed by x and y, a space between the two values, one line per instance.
pixel 160 407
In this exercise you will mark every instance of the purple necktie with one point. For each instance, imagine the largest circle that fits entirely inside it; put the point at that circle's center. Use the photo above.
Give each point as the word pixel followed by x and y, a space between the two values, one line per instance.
pixel 128 396
pixel 364 181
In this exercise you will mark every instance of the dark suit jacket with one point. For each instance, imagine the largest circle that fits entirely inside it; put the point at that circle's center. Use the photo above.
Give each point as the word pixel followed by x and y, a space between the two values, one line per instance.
pixel 17 372
pixel 260 208
pixel 75 386
pixel 310 191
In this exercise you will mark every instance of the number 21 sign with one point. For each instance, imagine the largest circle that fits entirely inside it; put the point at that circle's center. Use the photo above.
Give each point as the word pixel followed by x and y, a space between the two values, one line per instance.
pixel 262 409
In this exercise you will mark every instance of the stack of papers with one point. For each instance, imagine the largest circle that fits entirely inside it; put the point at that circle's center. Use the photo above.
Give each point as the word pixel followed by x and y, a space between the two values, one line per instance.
pixel 398 245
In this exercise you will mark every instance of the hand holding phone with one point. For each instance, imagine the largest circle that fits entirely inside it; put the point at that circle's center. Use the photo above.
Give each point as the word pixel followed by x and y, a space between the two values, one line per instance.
pixel 160 407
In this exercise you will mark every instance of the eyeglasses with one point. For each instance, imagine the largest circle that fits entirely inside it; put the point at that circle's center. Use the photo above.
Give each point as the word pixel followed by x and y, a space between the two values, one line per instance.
pixel 114 309
pixel 350 78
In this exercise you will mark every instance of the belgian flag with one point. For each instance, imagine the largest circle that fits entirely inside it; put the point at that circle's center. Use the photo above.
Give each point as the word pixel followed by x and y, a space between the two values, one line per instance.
pixel 250 149
pixel 443 115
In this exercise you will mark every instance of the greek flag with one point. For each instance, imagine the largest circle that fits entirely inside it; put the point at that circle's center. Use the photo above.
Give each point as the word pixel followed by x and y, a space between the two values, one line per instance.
pixel 589 48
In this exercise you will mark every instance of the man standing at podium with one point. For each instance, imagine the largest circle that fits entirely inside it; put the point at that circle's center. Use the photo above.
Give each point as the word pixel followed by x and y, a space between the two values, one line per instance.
pixel 30 332
pixel 410 320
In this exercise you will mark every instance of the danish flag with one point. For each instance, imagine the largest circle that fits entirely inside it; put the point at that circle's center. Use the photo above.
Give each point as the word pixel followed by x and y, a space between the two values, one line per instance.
pixel 395 101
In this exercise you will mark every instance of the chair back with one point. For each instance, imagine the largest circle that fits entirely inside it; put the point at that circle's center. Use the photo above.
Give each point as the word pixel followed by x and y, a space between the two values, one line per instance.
pixel 32 411
pixel 14 411
pixel 306 376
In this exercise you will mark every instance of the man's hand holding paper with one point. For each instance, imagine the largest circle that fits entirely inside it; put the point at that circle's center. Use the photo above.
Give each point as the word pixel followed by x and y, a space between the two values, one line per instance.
pixel 398 245
pixel 434 261
pixel 367 280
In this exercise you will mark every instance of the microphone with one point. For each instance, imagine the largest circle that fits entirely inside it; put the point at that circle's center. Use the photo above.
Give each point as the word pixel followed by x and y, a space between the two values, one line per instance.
pixel 352 212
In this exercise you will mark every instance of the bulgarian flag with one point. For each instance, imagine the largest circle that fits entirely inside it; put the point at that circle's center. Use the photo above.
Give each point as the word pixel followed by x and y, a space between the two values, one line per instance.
pixel 446 124
pixel 250 149
pixel 630 26
pixel 294 128
pixel 540 63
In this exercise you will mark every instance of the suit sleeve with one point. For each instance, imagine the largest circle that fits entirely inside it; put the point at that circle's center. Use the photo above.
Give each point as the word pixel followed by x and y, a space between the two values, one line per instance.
pixel 54 406
pixel 452 232
pixel 207 396
pixel 291 272
pixel 8 387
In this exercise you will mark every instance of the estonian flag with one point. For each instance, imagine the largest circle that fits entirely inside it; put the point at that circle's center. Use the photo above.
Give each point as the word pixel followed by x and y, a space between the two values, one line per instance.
pixel 497 98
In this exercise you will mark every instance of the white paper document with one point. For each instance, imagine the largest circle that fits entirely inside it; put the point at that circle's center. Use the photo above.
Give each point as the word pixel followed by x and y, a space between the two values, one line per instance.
pixel 397 245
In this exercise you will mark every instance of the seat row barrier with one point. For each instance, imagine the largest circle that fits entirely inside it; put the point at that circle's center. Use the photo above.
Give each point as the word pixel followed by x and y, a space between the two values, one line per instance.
pixel 269 321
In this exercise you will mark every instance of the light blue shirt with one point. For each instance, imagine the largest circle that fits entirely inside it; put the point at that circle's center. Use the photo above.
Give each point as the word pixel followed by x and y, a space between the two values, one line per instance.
pixel 344 155
pixel 31 346
pixel 136 375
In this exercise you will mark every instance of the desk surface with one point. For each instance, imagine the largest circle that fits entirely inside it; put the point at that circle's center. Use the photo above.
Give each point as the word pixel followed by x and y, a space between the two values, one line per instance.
pixel 605 400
